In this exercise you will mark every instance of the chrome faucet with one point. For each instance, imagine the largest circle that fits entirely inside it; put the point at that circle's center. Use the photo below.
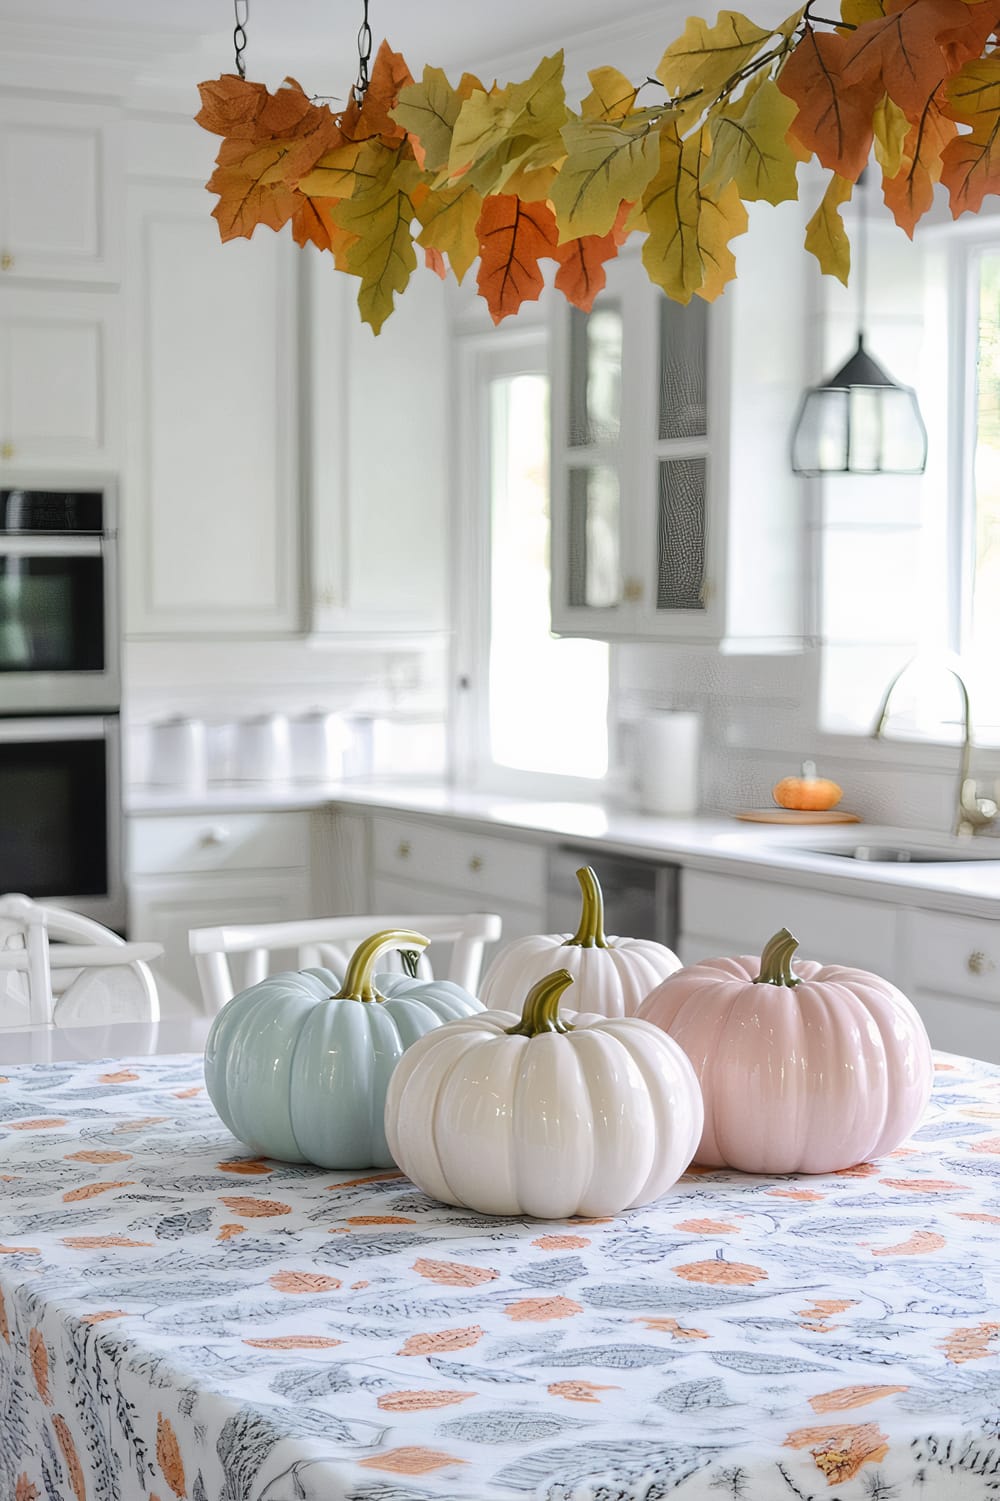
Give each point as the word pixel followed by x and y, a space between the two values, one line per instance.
pixel 972 812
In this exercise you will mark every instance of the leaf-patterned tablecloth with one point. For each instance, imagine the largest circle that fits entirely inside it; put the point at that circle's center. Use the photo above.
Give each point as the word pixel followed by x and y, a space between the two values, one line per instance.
pixel 178 1320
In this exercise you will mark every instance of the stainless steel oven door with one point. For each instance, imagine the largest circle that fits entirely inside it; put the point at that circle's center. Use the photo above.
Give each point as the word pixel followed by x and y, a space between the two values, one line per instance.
pixel 60 813
pixel 58 624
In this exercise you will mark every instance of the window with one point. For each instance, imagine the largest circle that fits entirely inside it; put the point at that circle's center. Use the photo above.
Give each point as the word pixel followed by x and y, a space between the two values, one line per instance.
pixel 530 705
pixel 980 575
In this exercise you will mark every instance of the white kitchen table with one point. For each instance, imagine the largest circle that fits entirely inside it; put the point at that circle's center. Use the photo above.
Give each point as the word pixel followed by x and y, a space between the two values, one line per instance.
pixel 171 1034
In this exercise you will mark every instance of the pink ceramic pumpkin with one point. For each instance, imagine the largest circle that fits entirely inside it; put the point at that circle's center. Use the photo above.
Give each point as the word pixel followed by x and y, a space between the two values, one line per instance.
pixel 804 1069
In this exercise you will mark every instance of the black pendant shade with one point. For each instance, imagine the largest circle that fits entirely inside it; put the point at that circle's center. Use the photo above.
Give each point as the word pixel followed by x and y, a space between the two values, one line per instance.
pixel 860 421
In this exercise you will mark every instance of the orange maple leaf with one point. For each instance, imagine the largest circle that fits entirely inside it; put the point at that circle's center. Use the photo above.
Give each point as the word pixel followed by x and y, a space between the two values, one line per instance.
pixel 512 237
pixel 371 117
pixel 899 53
pixel 581 273
pixel 834 119
pixel 970 164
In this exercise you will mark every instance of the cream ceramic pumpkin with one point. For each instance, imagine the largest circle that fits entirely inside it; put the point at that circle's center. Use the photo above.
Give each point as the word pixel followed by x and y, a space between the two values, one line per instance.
pixel 544 1114
pixel 613 975
pixel 804 1068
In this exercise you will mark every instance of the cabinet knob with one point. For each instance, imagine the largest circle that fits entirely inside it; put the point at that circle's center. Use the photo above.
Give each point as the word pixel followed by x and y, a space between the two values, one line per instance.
pixel 979 963
pixel 6 450
pixel 211 838
pixel 632 590
pixel 6 262
pixel 706 592
pixel 403 850
pixel 475 864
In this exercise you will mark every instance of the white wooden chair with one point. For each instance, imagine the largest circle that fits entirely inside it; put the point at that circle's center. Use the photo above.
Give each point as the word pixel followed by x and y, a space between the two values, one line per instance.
pixel 60 969
pixel 329 942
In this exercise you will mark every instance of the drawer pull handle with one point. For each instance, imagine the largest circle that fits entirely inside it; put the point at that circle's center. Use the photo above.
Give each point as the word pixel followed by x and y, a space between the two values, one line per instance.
pixel 979 963
pixel 404 849
pixel 475 864
pixel 6 261
pixel 212 838
pixel 6 450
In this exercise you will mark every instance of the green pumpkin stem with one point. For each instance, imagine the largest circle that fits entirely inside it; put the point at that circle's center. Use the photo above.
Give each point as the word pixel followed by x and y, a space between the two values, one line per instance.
pixel 540 1012
pixel 590 933
pixel 776 960
pixel 359 982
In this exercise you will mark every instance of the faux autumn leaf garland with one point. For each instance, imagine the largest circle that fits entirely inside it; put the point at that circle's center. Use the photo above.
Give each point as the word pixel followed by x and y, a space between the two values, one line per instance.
pixel 513 176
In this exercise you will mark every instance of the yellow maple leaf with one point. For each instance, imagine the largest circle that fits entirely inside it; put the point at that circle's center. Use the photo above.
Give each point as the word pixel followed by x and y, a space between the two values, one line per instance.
pixel 723 216
pixel 448 217
pixel 606 165
pixel 690 226
pixel 704 57
pixel 611 95
pixel 975 89
pixel 335 174
pixel 382 253
pixel 532 184
pixel 826 237
pixel 498 132
pixel 891 128
pixel 857 12
pixel 429 109
pixel 749 147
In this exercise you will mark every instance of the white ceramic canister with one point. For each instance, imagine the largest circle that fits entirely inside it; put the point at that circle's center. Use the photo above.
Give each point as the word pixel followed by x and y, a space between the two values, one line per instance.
pixel 667 748
pixel 262 749
pixel 177 754
pixel 317 746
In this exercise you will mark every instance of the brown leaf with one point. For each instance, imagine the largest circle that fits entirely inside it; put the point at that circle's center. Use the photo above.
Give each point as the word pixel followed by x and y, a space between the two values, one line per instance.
pixel 303 1282
pixel 421 1401
pixel 230 106
pixel 453 1273
pixel 71 1457
pixel 91 1190
pixel 254 1208
pixel 512 237
pixel 359 1182
pixel 441 1339
pixel 168 1456
pixel 841 1450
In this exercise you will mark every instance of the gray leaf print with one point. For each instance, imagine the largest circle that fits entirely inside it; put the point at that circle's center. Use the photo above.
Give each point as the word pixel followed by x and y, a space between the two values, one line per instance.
pixel 688 1396
pixel 610 1357
pixel 508 1427
pixel 855 1354
pixel 751 1363
pixel 174 1226
pixel 512 1349
pixel 555 1273
pixel 549 1470
pixel 655 1297
pixel 357 1247
pixel 307 1386
pixel 476 1375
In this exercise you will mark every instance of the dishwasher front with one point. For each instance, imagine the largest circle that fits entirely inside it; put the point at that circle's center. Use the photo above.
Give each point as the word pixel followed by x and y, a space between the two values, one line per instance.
pixel 641 896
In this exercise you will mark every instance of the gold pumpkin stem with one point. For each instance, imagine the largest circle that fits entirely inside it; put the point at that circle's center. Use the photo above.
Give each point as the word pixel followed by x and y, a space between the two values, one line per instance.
pixel 776 960
pixel 540 1012
pixel 590 933
pixel 359 982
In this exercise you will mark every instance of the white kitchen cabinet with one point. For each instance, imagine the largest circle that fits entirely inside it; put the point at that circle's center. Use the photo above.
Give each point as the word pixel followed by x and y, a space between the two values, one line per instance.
pixel 953 979
pixel 60 190
pixel 60 359
pixel 188 871
pixel 675 515
pixel 379 419
pixel 212 458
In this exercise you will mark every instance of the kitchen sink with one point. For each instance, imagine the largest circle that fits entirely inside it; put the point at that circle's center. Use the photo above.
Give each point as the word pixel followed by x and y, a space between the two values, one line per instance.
pixel 906 854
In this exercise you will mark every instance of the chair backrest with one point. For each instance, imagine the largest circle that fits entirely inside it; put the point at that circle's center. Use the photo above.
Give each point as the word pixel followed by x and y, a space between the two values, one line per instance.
pixel 329 941
pixel 58 968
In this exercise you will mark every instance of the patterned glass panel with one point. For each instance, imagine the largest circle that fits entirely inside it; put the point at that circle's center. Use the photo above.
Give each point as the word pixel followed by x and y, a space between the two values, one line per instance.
pixel 595 375
pixel 683 369
pixel 594 566
pixel 680 535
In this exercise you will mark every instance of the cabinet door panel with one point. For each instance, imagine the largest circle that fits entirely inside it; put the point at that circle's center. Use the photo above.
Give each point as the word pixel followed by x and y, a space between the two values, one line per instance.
pixel 680 535
pixel 594 539
pixel 683 369
pixel 57 377
pixel 957 1025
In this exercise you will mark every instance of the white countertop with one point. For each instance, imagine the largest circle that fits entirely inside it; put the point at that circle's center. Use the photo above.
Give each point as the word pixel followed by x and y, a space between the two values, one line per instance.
pixel 707 842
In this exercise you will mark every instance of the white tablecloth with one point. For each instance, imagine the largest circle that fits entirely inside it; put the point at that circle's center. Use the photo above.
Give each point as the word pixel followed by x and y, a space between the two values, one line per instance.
pixel 180 1321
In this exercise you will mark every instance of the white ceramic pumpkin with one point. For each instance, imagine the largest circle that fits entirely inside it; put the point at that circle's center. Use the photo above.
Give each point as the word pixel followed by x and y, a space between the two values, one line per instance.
pixel 805 1068
pixel 297 1066
pixel 613 975
pixel 542 1114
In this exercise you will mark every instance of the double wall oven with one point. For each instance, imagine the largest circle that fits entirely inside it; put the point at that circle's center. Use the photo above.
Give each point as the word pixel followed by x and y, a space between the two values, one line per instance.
pixel 60 695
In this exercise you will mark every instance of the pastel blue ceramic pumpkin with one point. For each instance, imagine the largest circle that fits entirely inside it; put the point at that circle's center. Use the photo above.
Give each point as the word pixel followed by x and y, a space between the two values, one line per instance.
pixel 298 1065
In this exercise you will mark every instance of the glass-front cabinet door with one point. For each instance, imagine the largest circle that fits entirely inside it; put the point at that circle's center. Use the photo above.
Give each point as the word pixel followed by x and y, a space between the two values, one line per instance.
pixel 630 460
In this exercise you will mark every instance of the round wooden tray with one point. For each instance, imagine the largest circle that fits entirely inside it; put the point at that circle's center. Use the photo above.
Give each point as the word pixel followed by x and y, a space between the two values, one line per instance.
pixel 797 816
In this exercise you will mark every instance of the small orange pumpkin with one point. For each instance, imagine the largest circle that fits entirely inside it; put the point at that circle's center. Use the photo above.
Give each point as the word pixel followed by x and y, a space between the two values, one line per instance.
pixel 807 792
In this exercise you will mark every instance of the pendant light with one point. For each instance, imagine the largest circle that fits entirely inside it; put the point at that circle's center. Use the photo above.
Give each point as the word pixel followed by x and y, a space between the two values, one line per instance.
pixel 860 421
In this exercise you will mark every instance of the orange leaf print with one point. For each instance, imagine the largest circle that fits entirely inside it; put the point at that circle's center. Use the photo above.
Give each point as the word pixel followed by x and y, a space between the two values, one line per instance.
pixel 671 1326
pixel 435 261
pixel 228 1231
pixel 123 1076
pixel 512 237
pixel 36 1125
pixel 379 1219
pixel 969 1344
pixel 71 1457
pixel 303 1282
pixel 561 1242
pixel 984 1219
pixel 924 1185
pixel 168 1456
pixel 851 1396
pixel 254 1208
pixel 103 1316
pixel 245 1165
pixel 453 1273
pixel 819 1310
pixel 442 1339
pixel 25 1489
pixel 579 1391
pixel 803 1195
pixel 294 1342
pixel 98 1242
pixel 542 1310
pixel 420 1401
pixel 981 1115
pixel 357 1286
pixel 734 1273
pixel 358 1182
pixel 187 1094
pixel 707 1227
pixel 859 1170
pixel 841 1450
pixel 91 1190
pixel 39 1357
pixel 4 1326
pixel 991 1145
pixel 410 1461
pixel 147 1120
pixel 919 1244
pixel 98 1159
pixel 19 1250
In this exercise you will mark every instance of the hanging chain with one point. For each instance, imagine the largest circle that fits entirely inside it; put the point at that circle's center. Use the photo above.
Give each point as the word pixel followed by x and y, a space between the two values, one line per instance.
pixel 241 9
pixel 364 53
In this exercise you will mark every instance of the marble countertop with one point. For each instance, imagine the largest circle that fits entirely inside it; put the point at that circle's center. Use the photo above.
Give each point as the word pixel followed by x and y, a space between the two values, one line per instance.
pixel 715 842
